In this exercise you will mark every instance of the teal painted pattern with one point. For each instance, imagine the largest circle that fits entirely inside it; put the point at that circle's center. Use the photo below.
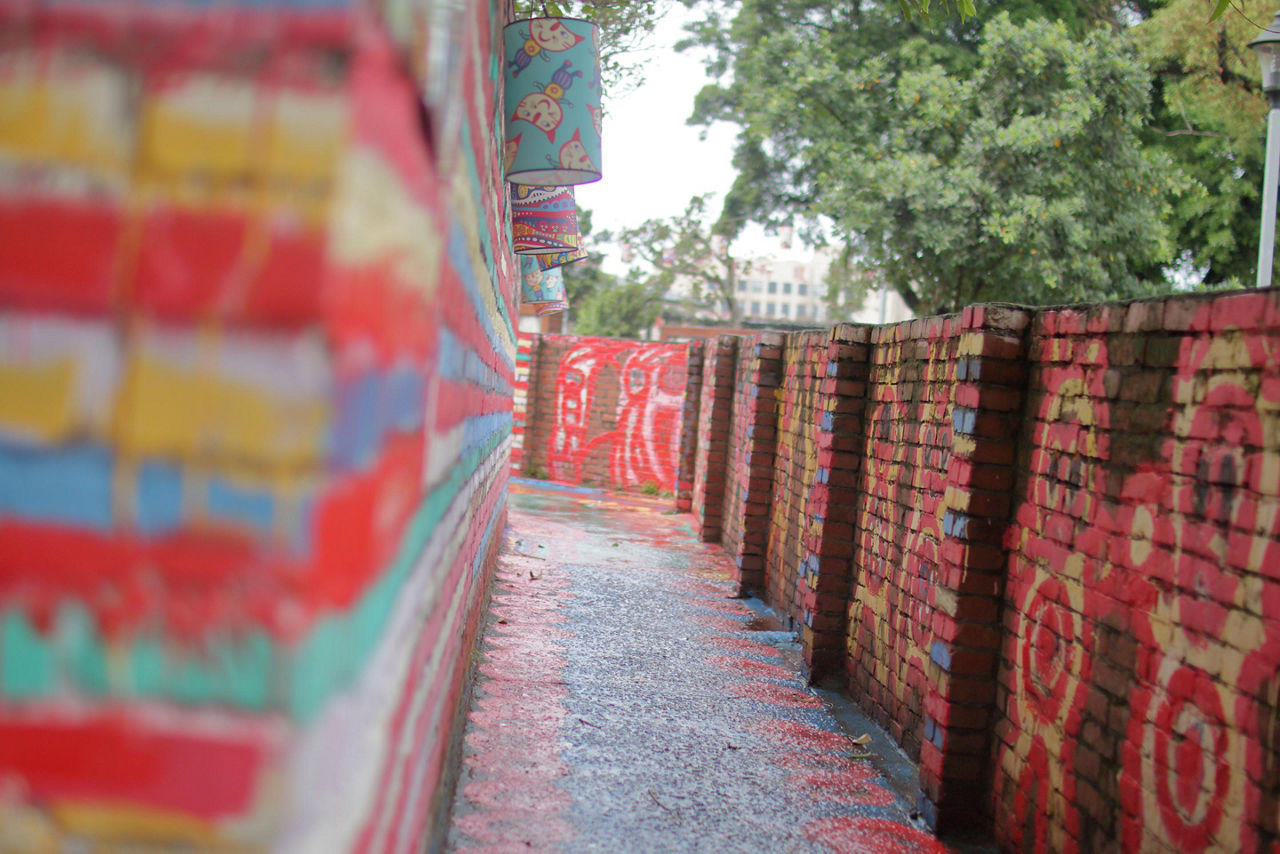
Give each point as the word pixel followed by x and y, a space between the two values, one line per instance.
pixel 552 79
pixel 249 671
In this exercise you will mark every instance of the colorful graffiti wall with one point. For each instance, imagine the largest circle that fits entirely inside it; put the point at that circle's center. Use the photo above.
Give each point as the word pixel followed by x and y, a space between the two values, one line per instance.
pixel 1142 667
pixel 606 412
pixel 804 362
pixel 257 361
pixel 752 441
pixel 909 413
pixel 1059 571
pixel 711 442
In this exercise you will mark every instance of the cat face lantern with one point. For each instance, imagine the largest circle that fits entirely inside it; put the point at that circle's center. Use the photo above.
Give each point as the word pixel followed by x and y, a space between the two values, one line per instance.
pixel 553 86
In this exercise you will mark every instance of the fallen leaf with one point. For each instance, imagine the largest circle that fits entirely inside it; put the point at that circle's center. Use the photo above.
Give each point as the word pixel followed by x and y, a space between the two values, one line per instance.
pixel 865 738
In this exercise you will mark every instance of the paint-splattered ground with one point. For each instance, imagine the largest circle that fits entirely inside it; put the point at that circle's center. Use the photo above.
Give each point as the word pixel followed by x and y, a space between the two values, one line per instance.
pixel 626 703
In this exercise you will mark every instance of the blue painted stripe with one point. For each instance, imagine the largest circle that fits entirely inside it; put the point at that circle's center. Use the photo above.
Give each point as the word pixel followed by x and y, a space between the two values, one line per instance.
pixel 158 502
pixel 243 507
pixel 941 655
pixel 63 486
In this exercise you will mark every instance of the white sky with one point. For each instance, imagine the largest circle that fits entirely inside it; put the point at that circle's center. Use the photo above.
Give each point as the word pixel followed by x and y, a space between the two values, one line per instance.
pixel 652 161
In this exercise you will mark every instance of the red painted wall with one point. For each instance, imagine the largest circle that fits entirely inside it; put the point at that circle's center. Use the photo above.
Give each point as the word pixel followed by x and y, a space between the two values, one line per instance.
pixel 711 443
pixel 608 412
pixel 1139 684
pixel 751 445
pixel 1065 546
pixel 255 418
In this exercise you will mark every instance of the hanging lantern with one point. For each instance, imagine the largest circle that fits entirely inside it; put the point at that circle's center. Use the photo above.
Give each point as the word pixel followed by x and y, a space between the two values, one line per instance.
pixel 552 79
pixel 560 259
pixel 551 308
pixel 544 220
pixel 540 287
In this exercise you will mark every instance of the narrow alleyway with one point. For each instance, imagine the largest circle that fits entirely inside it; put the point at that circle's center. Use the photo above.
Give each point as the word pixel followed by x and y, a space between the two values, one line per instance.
pixel 626 703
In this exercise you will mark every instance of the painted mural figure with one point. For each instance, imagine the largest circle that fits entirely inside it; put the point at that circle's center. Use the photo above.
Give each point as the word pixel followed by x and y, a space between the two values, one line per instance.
pixel 648 412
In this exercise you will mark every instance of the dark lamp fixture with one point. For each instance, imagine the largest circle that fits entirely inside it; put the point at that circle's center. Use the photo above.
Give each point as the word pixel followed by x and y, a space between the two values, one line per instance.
pixel 1267 46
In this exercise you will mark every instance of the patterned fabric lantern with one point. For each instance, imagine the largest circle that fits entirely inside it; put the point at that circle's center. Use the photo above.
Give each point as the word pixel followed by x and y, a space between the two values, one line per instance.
pixel 552 80
pixel 544 220
pixel 560 259
pixel 540 287
pixel 551 308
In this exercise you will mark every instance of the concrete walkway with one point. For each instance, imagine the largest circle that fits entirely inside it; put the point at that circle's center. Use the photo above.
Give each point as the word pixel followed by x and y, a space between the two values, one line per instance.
pixel 626 703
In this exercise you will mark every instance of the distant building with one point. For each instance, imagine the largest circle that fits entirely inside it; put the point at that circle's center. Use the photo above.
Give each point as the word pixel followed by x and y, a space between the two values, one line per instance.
pixel 789 289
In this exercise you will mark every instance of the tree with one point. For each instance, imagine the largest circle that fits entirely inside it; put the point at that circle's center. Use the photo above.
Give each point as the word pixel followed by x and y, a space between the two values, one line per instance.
pixel 624 26
pixel 625 310
pixel 982 161
pixel 687 250
pixel 1210 118
pixel 601 304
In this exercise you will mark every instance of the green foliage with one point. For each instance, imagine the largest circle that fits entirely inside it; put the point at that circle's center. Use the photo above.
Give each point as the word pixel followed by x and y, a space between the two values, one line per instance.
pixel 624 310
pixel 600 303
pixel 685 249
pixel 623 24
pixel 977 161
pixel 1210 119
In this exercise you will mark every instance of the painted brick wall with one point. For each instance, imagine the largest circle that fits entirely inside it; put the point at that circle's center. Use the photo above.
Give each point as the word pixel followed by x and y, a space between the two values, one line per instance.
pixel 608 412
pixel 689 426
pixel 257 360
pixel 526 359
pixel 752 445
pixel 1139 685
pixel 1059 567
pixel 711 454
pixel 900 501
pixel 826 577
pixel 968 570
pixel 804 364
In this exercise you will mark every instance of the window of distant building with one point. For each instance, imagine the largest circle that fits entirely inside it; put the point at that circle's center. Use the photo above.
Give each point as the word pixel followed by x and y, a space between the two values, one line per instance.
pixel 773 287
pixel 755 307
pixel 786 287
pixel 756 287
pixel 802 310
pixel 742 286
pixel 802 289
pixel 769 309
pixel 786 310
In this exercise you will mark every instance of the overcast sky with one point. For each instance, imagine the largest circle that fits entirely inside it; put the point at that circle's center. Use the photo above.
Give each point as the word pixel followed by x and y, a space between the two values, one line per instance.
pixel 653 161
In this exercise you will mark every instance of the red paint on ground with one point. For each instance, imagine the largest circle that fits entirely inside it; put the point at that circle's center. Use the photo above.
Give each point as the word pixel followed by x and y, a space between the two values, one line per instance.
pixel 805 736
pixel 514 828
pixel 774 695
pixel 750 667
pixel 514 727
pixel 719 624
pixel 842 787
pixel 744 645
pixel 845 835
pixel 725 606
pixel 530 796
